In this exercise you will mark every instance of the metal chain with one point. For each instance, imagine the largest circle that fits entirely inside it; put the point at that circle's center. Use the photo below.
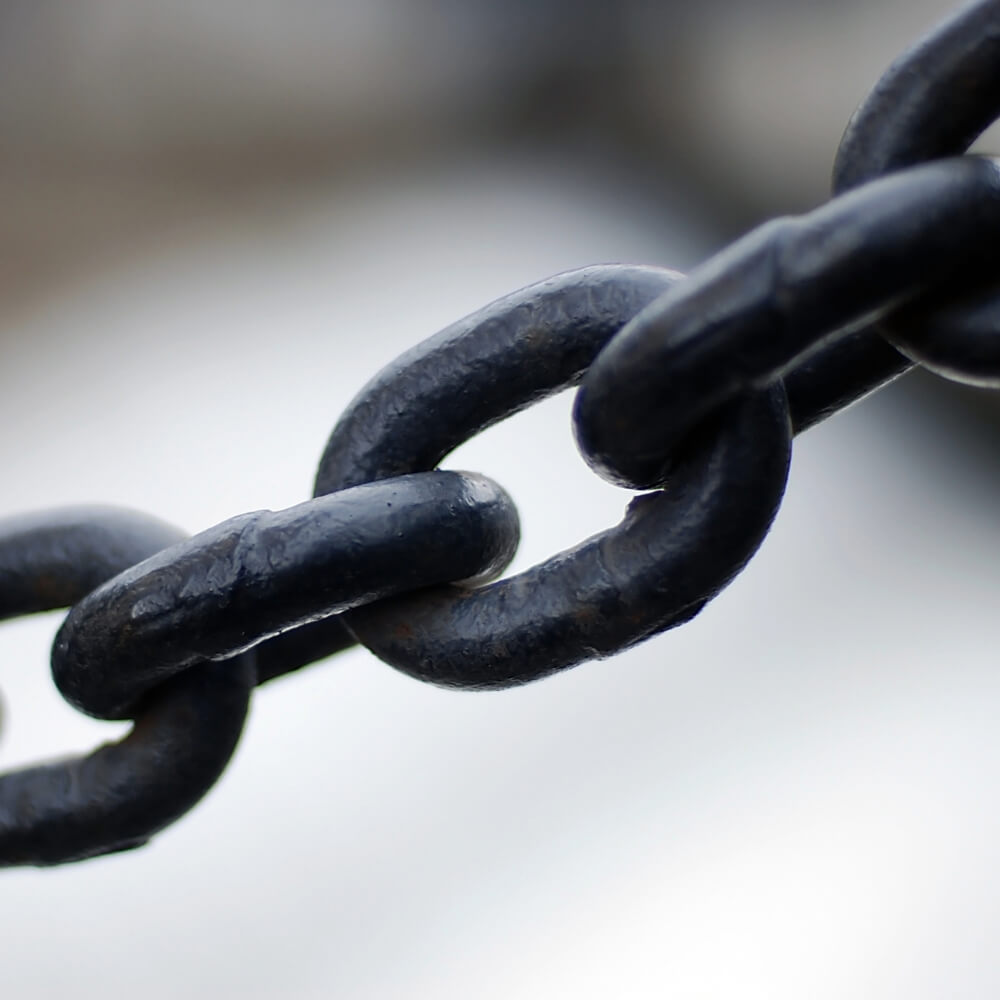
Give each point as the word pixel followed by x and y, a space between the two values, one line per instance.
pixel 690 387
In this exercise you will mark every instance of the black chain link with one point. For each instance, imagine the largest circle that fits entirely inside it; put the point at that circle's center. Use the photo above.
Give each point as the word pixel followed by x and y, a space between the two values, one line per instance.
pixel 691 387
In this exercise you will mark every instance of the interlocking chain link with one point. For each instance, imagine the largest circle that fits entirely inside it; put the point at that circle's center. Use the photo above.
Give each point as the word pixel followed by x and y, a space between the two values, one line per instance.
pixel 689 387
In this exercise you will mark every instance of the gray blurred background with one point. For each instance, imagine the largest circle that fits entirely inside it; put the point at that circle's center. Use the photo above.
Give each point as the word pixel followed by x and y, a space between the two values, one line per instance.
pixel 219 221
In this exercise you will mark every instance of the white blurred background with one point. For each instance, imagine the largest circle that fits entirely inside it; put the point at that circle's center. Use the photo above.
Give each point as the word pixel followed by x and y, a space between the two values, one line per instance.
pixel 220 221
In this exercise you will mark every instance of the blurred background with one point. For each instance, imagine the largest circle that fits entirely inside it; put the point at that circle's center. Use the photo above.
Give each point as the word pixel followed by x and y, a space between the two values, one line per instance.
pixel 219 221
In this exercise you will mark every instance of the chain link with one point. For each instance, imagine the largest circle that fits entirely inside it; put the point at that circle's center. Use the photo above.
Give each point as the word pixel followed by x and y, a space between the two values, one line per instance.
pixel 690 387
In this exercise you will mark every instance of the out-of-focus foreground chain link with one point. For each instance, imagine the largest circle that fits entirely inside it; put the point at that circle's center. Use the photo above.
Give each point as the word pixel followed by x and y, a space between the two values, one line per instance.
pixel 690 388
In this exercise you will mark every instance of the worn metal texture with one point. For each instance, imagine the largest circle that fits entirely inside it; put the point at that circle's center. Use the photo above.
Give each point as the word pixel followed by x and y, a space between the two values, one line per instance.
pixel 693 386
pixel 674 551
pixel 484 368
pixel 184 735
pixel 223 591
pixel 671 554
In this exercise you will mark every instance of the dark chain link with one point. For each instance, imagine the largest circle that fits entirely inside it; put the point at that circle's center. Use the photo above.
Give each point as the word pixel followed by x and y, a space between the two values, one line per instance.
pixel 689 387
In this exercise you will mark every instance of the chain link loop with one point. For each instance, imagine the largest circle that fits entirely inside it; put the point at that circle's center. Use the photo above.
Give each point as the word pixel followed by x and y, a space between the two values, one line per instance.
pixel 119 796
pixel 691 387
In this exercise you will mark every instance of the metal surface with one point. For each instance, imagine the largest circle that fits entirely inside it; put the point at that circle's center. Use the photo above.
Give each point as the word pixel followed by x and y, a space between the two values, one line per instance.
pixel 746 317
pixel 119 796
pixel 673 552
pixel 692 386
pixel 257 575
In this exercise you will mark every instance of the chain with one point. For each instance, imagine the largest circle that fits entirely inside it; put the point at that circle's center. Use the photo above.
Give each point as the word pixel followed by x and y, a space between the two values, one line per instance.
pixel 690 388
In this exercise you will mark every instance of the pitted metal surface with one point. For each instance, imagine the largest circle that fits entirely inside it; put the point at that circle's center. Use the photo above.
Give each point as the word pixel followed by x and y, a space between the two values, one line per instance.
pixel 688 388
